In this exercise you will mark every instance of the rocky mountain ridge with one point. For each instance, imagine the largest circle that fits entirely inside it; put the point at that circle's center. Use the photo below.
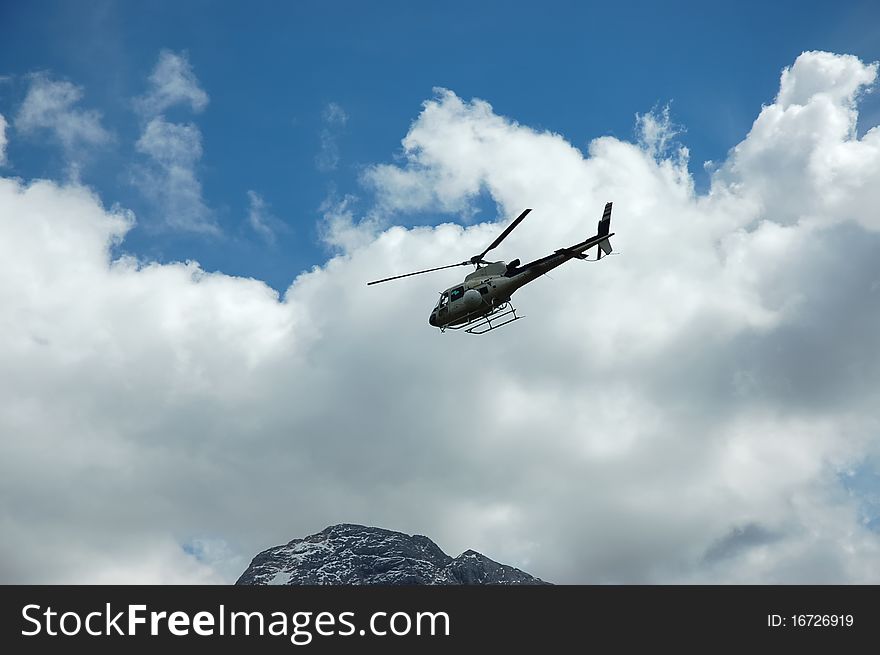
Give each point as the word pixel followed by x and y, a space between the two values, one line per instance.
pixel 348 554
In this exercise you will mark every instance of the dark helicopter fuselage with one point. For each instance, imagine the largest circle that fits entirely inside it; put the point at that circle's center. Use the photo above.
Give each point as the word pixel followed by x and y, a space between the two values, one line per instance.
pixel 492 285
pixel 482 302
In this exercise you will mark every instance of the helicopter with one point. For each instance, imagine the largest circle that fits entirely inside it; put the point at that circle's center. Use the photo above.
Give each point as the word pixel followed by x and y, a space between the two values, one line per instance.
pixel 481 303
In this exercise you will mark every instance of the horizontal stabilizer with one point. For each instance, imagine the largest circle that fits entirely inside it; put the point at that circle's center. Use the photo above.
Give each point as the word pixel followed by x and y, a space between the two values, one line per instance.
pixel 571 253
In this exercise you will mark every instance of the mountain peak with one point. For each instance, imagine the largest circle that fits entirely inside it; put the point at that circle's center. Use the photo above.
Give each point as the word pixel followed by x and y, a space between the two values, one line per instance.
pixel 351 554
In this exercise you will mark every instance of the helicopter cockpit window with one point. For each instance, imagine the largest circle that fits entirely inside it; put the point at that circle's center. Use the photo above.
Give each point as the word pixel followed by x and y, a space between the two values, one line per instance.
pixel 456 293
pixel 444 298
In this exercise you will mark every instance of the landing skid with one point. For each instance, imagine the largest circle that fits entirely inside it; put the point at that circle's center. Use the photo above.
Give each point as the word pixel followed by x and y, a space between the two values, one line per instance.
pixel 500 316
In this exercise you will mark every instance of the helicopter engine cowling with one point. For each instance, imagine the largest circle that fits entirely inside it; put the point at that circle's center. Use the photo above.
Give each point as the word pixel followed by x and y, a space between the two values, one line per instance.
pixel 472 299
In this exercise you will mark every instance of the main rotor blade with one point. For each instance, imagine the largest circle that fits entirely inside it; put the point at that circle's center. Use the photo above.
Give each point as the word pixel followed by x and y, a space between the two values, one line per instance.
pixel 427 270
pixel 502 236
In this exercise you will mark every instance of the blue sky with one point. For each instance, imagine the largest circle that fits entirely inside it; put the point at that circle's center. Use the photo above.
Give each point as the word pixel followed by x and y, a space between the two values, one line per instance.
pixel 272 69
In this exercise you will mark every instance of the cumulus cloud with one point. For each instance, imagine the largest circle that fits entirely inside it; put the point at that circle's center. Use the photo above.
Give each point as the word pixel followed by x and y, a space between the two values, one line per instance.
pixel 341 229
pixel 810 131
pixel 51 106
pixel 169 179
pixel 684 412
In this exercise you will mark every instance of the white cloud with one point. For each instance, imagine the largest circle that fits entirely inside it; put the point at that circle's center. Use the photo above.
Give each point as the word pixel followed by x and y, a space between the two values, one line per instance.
pixel 3 140
pixel 656 132
pixel 810 131
pixel 334 118
pixel 261 219
pixel 51 105
pixel 171 144
pixel 334 114
pixel 341 230
pixel 680 413
pixel 172 82
pixel 170 180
